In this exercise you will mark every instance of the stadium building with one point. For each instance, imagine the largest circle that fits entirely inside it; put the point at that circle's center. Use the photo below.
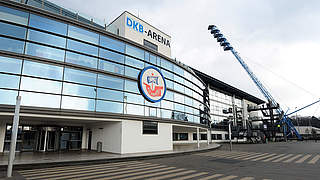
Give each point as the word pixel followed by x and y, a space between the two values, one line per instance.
pixel 83 83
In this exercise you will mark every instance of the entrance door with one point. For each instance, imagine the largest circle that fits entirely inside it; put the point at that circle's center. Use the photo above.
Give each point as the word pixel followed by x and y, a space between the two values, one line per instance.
pixel 89 140
pixel 48 139
pixel 51 141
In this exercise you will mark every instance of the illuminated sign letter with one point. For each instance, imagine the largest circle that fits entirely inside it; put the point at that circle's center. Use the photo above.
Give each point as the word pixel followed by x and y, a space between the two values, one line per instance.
pixel 129 22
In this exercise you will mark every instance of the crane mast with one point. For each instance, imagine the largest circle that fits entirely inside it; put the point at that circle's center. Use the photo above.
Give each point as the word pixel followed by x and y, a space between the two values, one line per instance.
pixel 284 119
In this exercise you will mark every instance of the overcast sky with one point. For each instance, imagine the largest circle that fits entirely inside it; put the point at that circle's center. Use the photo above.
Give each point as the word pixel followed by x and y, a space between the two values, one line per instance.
pixel 278 39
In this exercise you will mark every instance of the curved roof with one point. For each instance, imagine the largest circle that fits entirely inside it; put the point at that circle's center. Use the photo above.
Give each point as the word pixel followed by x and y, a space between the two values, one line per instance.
pixel 227 88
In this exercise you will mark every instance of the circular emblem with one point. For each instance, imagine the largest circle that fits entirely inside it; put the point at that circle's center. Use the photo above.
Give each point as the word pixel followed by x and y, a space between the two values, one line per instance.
pixel 152 84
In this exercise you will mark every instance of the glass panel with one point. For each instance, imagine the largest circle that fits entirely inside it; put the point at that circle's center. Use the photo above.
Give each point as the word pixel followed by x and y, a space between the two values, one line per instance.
pixel 169 95
pixel 178 107
pixel 110 82
pixel 78 76
pixel 147 56
pixel 196 119
pixel 167 74
pixel 112 44
pixel 46 38
pixel 11 45
pixel 8 97
pixel 133 98
pixel 157 104
pixel 110 94
pixel 12 30
pixel 179 87
pixel 13 15
pixel 82 34
pixel 136 52
pixel 79 90
pixel 178 98
pixel 135 109
pixel 134 62
pixel 40 100
pixel 131 72
pixel 111 67
pixel 77 103
pixel 178 70
pixel 167 65
pixel 107 106
pixel 45 52
pixel 188 91
pixel 47 24
pixel 9 81
pixel 178 79
pixel 153 59
pixel 82 60
pixel 82 47
pixel 166 114
pixel 42 70
pixel 188 101
pixel 40 85
pixel 169 84
pixel 131 86
pixel 166 104
pixel 10 65
pixel 112 56
pixel 188 109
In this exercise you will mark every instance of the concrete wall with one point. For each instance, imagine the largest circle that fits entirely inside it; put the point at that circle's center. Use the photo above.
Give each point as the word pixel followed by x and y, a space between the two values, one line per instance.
pixel 109 133
pixel 133 141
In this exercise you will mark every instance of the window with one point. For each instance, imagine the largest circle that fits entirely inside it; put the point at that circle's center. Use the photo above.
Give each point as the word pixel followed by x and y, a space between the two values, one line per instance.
pixel 179 87
pixel 79 90
pixel 40 100
pixel 9 81
pixel 180 136
pixel 42 70
pixel 167 104
pixel 178 98
pixel 47 24
pixel 111 67
pixel 11 45
pixel 40 85
pixel 214 136
pixel 179 107
pixel 219 136
pixel 108 94
pixel 78 76
pixel 112 56
pixel 13 15
pixel 150 45
pixel 194 136
pixel 108 106
pixel 12 30
pixel 166 114
pixel 110 82
pixel 133 98
pixel 10 65
pixel 178 70
pixel 134 109
pixel 203 136
pixel 77 103
pixel 82 34
pixel 133 51
pixel 8 97
pixel 82 60
pixel 45 52
pixel 149 127
pixel 134 62
pixel 112 44
pixel 131 72
pixel 178 79
pixel 167 65
pixel 131 86
pixel 45 38
pixel 82 47
pixel 169 95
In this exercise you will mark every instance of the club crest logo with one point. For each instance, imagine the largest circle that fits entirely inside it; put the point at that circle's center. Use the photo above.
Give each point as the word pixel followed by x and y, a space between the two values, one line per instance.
pixel 152 84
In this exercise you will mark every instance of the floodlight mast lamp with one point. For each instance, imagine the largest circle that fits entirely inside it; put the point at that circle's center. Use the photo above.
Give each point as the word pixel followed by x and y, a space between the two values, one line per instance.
pixel 226 47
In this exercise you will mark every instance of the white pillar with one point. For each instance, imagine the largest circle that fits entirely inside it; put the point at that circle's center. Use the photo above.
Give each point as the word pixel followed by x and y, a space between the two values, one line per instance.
pixel 2 134
pixel 84 144
pixel 198 137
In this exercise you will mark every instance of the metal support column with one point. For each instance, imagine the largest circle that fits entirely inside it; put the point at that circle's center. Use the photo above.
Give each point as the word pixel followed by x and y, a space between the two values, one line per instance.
pixel 14 136
pixel 198 137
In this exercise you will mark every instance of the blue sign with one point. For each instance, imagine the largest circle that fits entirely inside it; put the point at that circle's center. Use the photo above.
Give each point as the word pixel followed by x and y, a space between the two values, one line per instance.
pixel 134 25
pixel 152 84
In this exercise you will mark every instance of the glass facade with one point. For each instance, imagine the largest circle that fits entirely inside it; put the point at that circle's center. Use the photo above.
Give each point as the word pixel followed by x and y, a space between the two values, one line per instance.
pixel 69 67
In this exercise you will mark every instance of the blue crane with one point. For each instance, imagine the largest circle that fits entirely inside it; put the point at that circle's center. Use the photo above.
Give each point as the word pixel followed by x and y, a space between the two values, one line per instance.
pixel 284 119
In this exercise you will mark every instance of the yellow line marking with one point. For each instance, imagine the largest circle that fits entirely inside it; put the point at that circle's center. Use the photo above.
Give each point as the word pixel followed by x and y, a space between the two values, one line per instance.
pixel 134 174
pixel 103 174
pixel 87 168
pixel 303 158
pixel 211 177
pixel 228 177
pixel 255 156
pixel 292 158
pixel 314 160
pixel 172 175
pixel 59 170
pixel 263 157
pixel 274 157
pixel 89 172
pixel 191 176
pixel 282 158
pixel 153 175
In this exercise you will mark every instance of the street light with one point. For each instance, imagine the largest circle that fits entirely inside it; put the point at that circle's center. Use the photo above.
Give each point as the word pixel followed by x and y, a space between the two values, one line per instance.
pixel 220 38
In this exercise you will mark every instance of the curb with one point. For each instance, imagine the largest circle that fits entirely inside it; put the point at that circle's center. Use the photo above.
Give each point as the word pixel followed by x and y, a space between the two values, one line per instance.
pixel 27 166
